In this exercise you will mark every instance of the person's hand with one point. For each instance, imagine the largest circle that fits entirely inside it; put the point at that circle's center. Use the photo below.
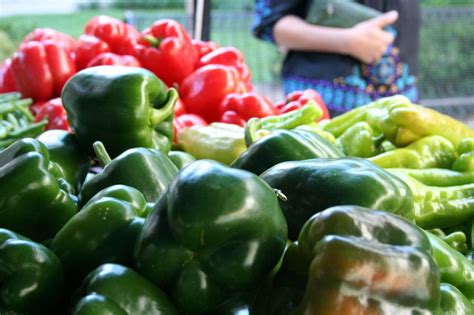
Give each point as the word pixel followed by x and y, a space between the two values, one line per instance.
pixel 367 41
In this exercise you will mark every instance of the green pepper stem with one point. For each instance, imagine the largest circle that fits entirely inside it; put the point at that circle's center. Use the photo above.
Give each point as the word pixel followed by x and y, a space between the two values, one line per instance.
pixel 152 40
pixel 159 115
pixel 251 128
pixel 101 153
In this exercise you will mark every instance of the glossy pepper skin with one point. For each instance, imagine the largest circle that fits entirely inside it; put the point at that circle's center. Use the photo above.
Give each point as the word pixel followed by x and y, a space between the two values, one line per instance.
pixel 282 146
pixel 41 69
pixel 88 47
pixel 439 207
pixel 454 267
pixel 181 159
pixel 111 59
pixel 183 121
pixel 32 277
pixel 311 186
pixel 437 176
pixel 138 108
pixel 465 161
pixel 49 34
pixel 453 302
pixel 65 151
pixel 7 81
pixel 246 106
pixel 349 255
pixel 33 201
pixel 361 140
pixel 203 90
pixel 104 231
pixel 198 253
pixel 147 170
pixel 428 152
pixel 55 114
pixel 118 290
pixel 171 55
pixel 297 99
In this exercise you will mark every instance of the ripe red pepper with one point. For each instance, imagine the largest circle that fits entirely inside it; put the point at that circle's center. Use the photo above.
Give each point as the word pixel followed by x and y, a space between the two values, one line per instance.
pixel 203 47
pixel 111 59
pixel 41 69
pixel 44 34
pixel 56 114
pixel 203 90
pixel 7 82
pixel 117 34
pixel 88 47
pixel 297 99
pixel 245 106
pixel 185 121
pixel 179 108
pixel 171 55
pixel 228 56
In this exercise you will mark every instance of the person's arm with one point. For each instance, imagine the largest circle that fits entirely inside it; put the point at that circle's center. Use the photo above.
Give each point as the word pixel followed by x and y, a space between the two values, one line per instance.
pixel 366 41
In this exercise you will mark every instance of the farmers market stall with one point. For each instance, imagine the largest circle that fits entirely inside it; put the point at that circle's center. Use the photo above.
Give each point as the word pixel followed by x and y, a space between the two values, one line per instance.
pixel 140 173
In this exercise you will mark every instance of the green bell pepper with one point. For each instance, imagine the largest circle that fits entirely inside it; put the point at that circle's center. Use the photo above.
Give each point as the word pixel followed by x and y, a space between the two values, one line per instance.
pixel 31 276
pixel 147 170
pixel 361 140
pixel 281 146
pixel 32 201
pixel 113 289
pixel 124 107
pixel 453 266
pixel 215 233
pixel 311 186
pixel 181 159
pixel 64 150
pixel 465 161
pixel 439 207
pixel 354 260
pixel 428 152
pixel 104 231
pixel 453 302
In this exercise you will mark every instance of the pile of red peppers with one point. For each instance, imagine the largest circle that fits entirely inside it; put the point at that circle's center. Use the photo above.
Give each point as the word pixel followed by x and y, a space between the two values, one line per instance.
pixel 214 82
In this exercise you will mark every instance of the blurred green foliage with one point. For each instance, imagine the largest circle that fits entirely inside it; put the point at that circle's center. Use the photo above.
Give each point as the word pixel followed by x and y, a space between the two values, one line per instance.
pixel 445 2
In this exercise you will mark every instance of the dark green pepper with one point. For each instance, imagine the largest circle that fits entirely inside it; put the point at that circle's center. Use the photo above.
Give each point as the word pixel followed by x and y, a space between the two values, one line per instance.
pixel 180 159
pixel 147 170
pixel 428 152
pixel 216 232
pixel 31 276
pixel 310 186
pixel 104 231
pixel 361 140
pixel 354 260
pixel 124 107
pixel 64 150
pixel 113 289
pixel 32 201
pixel 453 266
pixel 281 146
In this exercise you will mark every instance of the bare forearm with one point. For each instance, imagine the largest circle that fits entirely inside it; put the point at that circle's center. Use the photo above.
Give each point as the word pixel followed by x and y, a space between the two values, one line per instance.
pixel 294 33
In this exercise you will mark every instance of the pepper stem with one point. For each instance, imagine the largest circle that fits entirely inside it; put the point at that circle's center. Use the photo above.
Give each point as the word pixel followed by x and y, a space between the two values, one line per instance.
pixel 101 153
pixel 158 115
pixel 152 40
pixel 251 128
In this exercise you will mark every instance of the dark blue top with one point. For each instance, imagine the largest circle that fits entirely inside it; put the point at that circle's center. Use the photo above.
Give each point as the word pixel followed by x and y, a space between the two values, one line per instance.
pixel 343 81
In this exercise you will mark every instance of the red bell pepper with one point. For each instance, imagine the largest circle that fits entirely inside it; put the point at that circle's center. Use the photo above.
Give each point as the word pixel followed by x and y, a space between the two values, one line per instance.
pixel 117 34
pixel 7 82
pixel 179 108
pixel 228 56
pixel 44 34
pixel 245 106
pixel 203 90
pixel 56 114
pixel 41 69
pixel 297 99
pixel 171 55
pixel 111 59
pixel 203 47
pixel 185 121
pixel 89 47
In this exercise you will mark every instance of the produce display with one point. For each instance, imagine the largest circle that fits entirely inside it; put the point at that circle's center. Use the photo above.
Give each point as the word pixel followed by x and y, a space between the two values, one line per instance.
pixel 141 174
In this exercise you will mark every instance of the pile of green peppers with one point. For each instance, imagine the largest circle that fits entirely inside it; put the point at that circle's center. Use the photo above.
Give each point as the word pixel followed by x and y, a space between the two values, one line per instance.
pixel 364 214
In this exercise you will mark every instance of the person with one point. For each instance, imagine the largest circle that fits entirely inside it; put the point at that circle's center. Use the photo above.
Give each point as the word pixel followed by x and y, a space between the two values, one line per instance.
pixel 349 67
